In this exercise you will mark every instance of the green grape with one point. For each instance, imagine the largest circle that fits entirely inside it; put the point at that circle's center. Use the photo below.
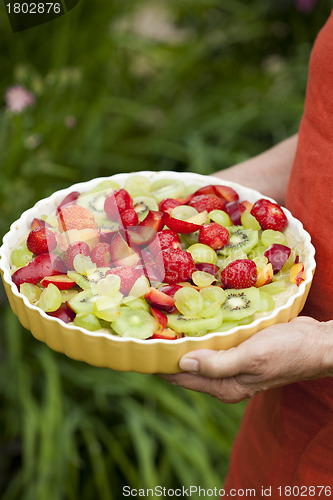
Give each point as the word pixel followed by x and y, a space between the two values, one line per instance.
pixel 213 298
pixel 134 323
pixel 192 188
pixel 140 287
pixel 83 264
pixel 137 185
pixel 107 308
pixel 257 252
pixel 260 261
pixel 269 236
pixel 50 299
pixel 183 212
pixel 201 278
pixel 282 276
pixel 68 294
pixel 105 185
pixel 274 287
pixel 290 261
pixel 249 222
pixel 267 301
pixel 108 286
pixel 188 301
pixel 87 321
pixel 31 292
pixel 21 256
pixel 135 303
pixel 189 238
pixel 202 253
pixel 220 217
pixel 236 255
pixel 167 188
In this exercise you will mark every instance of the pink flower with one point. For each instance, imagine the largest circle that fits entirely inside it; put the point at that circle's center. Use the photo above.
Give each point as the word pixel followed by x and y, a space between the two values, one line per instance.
pixel 18 98
pixel 305 6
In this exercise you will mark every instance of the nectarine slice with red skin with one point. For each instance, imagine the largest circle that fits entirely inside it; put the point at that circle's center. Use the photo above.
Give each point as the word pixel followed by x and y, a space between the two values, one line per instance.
pixel 61 281
pixel 297 275
pixel 159 300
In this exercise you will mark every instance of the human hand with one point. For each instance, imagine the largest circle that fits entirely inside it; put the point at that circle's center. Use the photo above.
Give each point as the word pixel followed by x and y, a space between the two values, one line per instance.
pixel 276 356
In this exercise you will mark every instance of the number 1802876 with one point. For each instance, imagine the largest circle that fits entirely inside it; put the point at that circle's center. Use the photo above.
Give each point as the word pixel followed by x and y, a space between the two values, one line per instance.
pixel 33 8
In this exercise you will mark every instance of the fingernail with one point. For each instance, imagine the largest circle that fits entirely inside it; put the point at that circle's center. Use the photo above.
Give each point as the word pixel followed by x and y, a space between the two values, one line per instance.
pixel 189 365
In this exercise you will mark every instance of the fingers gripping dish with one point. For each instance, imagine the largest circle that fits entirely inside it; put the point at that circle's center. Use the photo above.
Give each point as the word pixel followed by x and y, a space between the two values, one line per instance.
pixel 155 259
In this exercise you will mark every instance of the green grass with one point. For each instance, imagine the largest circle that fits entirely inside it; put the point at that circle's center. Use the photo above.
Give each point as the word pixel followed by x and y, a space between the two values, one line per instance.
pixel 203 85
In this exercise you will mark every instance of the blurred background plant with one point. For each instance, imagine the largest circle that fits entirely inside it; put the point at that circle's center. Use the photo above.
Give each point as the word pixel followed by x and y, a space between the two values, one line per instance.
pixel 185 85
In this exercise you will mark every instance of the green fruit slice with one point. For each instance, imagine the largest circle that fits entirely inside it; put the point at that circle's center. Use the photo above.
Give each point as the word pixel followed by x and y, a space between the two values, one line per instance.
pixel 134 323
pixel 90 281
pixel 83 302
pixel 142 205
pixel 241 303
pixel 167 188
pixel 194 325
pixel 240 239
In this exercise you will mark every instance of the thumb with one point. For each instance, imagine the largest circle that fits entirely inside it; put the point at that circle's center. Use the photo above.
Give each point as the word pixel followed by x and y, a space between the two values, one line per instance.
pixel 215 364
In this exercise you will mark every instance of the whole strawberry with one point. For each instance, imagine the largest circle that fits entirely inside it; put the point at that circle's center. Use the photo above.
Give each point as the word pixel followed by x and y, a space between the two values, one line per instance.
pixel 207 202
pixel 79 247
pixel 165 239
pixel 240 273
pixel 214 235
pixel 41 240
pixel 101 255
pixel 117 202
pixel 178 265
pixel 269 215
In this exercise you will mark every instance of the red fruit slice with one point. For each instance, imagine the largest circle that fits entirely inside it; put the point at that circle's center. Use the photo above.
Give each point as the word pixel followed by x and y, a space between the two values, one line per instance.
pixel 128 276
pixel 140 236
pixel 164 239
pixel 180 226
pixel 269 215
pixel 70 199
pixel 61 281
pixel 106 235
pixel 161 317
pixel 170 289
pixel 207 202
pixel 205 190
pixel 38 223
pixel 178 265
pixel 168 204
pixel 235 209
pixel 101 255
pixel 207 268
pixel 41 240
pixel 265 275
pixel 64 313
pixel 129 217
pixel 75 217
pixel 166 334
pixel 121 252
pixel 240 273
pixel 226 192
pixel 154 219
pixel 277 255
pixel 213 235
pixel 159 300
pixel 42 265
pixel 297 275
pixel 79 247
pixel 117 202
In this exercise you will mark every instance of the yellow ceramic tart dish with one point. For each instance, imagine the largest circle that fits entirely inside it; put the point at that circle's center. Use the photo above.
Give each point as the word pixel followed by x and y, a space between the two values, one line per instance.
pixel 101 348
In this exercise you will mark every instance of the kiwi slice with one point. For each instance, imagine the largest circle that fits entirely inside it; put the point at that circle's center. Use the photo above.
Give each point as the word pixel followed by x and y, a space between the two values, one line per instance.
pixel 87 282
pixel 134 323
pixel 241 303
pixel 94 201
pixel 142 205
pixel 240 239
pixel 168 188
pixel 194 325
pixel 83 302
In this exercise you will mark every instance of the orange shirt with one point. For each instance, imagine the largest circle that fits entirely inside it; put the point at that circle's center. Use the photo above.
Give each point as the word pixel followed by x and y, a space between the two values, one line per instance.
pixel 286 437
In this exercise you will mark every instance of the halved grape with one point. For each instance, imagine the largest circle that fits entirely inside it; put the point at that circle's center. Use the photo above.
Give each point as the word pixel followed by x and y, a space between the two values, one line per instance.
pixel 135 303
pixel 183 212
pixel 87 321
pixel 260 261
pixel 249 222
pixel 213 298
pixel 105 185
pixel 188 301
pixel 107 308
pixel 167 188
pixel 236 255
pixel 137 185
pixel 32 292
pixel 68 294
pixel 202 279
pixel 274 287
pixel 269 236
pixel 108 286
pixel 220 217
pixel 21 256
pixel 140 287
pixel 83 264
pixel 267 301
pixel 50 299
pixel 134 323
pixel 202 253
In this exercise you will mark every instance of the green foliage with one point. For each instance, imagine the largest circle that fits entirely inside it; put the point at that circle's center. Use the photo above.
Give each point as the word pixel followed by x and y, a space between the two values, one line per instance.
pixel 186 85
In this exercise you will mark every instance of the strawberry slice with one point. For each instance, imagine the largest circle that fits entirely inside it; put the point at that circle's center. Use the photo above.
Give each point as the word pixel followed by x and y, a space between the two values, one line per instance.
pixel 101 255
pixel 269 215
pixel 41 240
pixel 214 235
pixel 128 276
pixel 207 202
pixel 61 281
pixel 154 219
pixel 240 273
pixel 78 247
pixel 75 217
pixel 169 204
pixel 117 202
pixel 180 226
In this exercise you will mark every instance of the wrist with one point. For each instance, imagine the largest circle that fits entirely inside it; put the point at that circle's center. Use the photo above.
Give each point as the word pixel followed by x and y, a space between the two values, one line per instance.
pixel 326 339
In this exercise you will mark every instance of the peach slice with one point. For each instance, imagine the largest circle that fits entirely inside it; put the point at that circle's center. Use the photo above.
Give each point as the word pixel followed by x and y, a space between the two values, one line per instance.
pixel 265 275
pixel 166 334
pixel 61 281
pixel 297 274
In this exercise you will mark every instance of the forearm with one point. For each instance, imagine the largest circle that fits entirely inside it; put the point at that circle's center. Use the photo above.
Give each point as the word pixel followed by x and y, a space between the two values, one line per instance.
pixel 268 172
